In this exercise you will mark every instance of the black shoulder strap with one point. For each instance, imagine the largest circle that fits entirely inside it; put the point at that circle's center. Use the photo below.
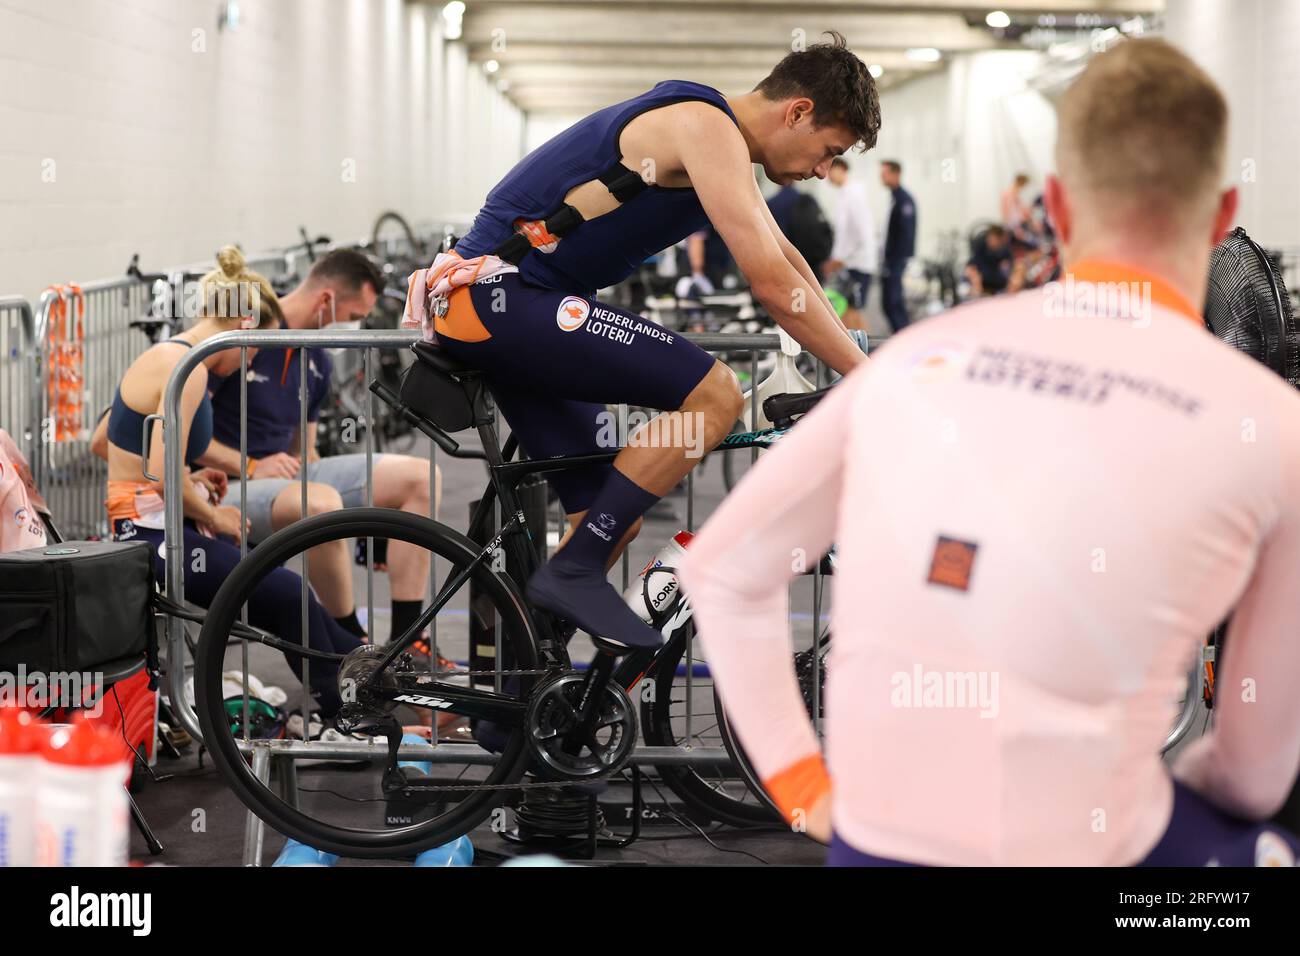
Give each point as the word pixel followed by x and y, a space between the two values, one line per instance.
pixel 558 224
pixel 624 184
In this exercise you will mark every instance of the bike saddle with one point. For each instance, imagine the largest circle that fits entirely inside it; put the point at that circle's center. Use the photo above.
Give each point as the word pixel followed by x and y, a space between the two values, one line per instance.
pixel 430 354
pixel 782 410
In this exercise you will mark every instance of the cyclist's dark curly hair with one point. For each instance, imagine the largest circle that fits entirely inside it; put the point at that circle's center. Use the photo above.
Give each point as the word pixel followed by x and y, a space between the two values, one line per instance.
pixel 839 84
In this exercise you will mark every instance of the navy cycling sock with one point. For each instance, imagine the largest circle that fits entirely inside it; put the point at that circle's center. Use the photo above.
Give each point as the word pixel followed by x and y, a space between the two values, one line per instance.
pixel 573 583
pixel 615 509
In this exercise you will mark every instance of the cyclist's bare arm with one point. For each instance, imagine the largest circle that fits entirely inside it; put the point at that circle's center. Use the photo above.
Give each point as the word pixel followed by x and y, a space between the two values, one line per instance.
pixel 1248 761
pixel 795 259
pixel 713 154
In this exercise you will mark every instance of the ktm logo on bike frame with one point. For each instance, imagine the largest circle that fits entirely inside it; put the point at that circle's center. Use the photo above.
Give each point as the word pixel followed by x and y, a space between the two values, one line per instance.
pixel 423 701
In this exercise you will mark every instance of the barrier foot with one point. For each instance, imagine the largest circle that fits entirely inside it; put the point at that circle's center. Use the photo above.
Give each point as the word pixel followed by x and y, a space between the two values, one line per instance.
pixel 254 828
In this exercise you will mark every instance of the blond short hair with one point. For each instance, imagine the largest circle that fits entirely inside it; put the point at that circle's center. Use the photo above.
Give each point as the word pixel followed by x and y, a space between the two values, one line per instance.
pixel 223 297
pixel 1144 127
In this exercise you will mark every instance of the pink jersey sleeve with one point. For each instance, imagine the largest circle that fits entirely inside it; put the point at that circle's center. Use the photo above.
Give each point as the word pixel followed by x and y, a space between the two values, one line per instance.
pixel 1247 762
pixel 780 520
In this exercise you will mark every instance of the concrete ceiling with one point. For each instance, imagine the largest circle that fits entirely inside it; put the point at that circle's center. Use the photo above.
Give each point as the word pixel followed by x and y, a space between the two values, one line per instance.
pixel 575 56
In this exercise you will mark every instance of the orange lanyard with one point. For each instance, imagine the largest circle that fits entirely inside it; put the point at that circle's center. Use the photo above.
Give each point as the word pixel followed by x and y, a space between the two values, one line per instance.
pixel 66 357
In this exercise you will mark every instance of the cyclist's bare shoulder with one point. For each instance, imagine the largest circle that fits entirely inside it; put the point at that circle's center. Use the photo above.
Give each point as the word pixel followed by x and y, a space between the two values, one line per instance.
pixel 662 134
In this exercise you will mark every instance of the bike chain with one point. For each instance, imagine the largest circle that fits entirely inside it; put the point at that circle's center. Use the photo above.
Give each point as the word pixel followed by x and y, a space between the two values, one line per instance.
pixel 446 674
pixel 532 785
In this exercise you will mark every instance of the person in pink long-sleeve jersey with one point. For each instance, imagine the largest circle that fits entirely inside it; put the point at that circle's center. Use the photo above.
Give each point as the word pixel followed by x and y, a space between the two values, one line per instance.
pixel 1041 505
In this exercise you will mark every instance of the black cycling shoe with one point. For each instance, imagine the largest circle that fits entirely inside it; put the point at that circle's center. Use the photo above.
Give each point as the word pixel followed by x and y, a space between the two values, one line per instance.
pixel 587 599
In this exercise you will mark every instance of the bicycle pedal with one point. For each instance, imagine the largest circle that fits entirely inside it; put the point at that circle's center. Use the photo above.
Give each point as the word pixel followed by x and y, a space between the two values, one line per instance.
pixel 176 736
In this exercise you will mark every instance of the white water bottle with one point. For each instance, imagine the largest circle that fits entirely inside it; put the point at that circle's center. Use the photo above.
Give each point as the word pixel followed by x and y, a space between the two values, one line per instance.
pixel 82 809
pixel 20 745
pixel 663 584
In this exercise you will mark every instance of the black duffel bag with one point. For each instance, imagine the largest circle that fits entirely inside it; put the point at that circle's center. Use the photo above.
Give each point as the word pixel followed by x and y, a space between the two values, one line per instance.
pixel 76 605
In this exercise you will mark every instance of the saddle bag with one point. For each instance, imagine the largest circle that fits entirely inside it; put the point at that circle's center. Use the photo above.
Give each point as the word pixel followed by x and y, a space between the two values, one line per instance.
pixel 442 391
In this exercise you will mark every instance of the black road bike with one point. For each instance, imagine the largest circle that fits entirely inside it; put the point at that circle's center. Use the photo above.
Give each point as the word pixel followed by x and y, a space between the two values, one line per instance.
pixel 541 723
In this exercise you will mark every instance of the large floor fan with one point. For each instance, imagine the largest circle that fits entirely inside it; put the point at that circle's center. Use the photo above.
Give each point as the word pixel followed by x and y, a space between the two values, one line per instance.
pixel 1247 305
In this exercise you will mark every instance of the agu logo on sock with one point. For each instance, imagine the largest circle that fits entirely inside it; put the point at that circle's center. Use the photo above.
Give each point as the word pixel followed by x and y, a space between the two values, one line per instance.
pixel 572 313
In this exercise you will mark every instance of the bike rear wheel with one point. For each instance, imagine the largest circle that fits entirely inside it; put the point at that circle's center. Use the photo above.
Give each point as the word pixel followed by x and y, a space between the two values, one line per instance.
pixel 356 823
pixel 717 793
pixel 812 682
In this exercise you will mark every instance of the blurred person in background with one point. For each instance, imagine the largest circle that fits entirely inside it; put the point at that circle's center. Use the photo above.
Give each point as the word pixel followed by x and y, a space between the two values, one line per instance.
pixel 992 267
pixel 855 256
pixel 800 218
pixel 1017 217
pixel 900 244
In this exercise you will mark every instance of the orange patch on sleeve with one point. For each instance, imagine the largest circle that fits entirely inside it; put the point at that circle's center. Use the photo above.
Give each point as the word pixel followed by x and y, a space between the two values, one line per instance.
pixel 952 563
pixel 799 786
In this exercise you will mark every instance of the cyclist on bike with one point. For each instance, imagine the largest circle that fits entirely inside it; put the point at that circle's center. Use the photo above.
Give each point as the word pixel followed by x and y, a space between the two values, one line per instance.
pixel 212 528
pixel 580 213
pixel 1043 506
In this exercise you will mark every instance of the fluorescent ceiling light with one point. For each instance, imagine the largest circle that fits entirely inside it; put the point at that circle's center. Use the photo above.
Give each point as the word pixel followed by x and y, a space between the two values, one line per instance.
pixel 451 17
pixel 924 54
pixel 998 20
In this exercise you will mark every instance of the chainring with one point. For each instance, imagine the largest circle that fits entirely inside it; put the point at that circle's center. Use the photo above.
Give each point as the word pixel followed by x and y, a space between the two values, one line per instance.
pixel 553 718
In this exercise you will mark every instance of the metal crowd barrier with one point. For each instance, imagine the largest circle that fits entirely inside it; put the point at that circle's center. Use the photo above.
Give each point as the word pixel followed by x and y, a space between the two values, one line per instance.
pixel 20 379
pixel 70 476
pixel 262 752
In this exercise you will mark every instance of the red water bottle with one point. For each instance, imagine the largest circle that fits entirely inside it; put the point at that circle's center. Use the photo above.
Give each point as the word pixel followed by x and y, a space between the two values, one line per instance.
pixel 82 809
pixel 20 745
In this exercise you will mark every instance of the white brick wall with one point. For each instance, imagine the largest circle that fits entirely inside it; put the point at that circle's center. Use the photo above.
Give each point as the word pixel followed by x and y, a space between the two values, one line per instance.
pixel 170 142
pixel 1252 49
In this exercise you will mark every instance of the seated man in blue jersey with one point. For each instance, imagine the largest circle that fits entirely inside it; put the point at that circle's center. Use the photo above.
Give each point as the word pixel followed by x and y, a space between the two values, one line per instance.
pixel 342 286
pixel 992 268
pixel 580 213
